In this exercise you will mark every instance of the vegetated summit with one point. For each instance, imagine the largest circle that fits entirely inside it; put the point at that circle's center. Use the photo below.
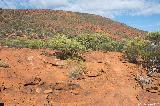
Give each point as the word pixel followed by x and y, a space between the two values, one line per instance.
pixel 47 23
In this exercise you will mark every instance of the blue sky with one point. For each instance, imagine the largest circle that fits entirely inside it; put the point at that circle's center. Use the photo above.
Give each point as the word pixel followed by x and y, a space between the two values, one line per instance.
pixel 141 14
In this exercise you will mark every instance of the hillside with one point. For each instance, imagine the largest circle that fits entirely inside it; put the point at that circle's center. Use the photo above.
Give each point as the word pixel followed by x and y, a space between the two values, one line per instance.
pixel 47 23
pixel 58 58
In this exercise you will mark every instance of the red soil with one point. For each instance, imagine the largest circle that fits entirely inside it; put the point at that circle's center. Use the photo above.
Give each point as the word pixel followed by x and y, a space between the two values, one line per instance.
pixel 35 79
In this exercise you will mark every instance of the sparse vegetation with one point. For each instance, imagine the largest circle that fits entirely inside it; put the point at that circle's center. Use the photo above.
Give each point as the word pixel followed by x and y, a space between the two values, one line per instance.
pixel 77 69
pixel 77 72
pixel 3 64
pixel 143 80
pixel 46 23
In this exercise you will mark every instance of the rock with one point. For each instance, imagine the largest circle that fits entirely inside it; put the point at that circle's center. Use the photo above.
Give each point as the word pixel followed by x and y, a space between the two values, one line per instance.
pixel 76 92
pixel 60 63
pixel 2 88
pixel 72 86
pixel 57 63
pixel 30 58
pixel 100 61
pixel 75 89
pixel 60 86
pixel 155 88
pixel 38 90
pixel 48 91
pixel 94 73
pixel 152 89
pixel 34 81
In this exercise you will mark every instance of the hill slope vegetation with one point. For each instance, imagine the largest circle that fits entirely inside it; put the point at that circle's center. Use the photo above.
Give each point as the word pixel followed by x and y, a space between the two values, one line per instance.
pixel 47 23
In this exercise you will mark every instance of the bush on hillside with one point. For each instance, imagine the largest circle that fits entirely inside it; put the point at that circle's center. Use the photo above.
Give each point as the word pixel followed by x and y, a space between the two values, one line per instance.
pixel 134 49
pixel 68 47
pixel 154 37
pixel 99 42
pixel 151 55
pixel 35 44
pixel 19 43
pixel 148 50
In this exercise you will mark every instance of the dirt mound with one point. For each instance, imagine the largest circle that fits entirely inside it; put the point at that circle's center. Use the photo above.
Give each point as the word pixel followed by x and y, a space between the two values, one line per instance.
pixel 36 79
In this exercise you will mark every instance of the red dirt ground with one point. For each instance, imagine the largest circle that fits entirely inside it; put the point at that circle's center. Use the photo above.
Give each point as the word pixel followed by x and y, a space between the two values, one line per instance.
pixel 36 78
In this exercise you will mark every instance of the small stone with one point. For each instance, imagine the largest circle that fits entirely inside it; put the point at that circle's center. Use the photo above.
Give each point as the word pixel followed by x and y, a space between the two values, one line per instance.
pixel 30 58
pixel 153 91
pixel 155 88
pixel 76 91
pixel 48 91
pixel 100 61
pixel 94 73
pixel 60 63
pixel 60 86
pixel 38 90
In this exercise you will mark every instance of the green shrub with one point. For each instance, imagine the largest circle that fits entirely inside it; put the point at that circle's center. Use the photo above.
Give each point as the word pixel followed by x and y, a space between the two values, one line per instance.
pixel 35 43
pixel 154 37
pixel 134 49
pixel 151 55
pixel 14 43
pixel 77 72
pixel 112 46
pixel 148 50
pixel 99 42
pixel 20 43
pixel 68 47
